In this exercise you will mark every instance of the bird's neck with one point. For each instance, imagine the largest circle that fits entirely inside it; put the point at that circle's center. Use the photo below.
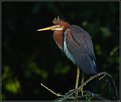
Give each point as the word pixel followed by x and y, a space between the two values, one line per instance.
pixel 58 37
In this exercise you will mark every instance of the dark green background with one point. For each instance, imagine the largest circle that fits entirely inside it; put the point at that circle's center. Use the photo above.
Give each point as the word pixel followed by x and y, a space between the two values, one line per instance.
pixel 30 57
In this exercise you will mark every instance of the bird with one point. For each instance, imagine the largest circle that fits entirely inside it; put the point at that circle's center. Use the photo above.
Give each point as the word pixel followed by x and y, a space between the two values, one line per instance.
pixel 76 43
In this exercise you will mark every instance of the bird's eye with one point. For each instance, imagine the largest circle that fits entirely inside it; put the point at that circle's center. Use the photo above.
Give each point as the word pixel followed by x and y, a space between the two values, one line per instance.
pixel 58 25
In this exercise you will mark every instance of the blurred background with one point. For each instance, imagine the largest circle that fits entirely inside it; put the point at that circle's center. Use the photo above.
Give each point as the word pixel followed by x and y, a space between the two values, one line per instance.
pixel 30 57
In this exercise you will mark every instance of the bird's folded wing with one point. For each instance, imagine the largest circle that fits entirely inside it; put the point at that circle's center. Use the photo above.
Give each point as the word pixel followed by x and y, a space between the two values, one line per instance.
pixel 81 48
pixel 83 39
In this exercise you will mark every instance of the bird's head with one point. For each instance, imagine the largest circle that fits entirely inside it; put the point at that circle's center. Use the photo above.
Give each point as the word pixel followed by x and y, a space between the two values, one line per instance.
pixel 59 25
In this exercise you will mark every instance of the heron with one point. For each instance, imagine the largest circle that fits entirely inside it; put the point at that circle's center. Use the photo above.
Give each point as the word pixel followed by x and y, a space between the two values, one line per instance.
pixel 77 45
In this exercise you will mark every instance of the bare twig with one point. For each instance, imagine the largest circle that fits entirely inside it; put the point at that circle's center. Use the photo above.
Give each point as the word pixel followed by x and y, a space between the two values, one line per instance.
pixel 102 77
pixel 57 94
pixel 87 81
pixel 70 94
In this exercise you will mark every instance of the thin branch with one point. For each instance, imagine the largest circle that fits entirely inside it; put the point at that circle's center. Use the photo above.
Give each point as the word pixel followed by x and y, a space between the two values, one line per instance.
pixel 57 94
pixel 90 79
pixel 69 95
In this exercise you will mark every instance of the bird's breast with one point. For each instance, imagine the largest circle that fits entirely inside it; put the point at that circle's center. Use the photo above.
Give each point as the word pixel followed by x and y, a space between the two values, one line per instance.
pixel 65 48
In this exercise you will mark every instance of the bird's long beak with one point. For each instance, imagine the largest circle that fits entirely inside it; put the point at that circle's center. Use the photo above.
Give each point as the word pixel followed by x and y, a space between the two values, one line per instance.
pixel 55 27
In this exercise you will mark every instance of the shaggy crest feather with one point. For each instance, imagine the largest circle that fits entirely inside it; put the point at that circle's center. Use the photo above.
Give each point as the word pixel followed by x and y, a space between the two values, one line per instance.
pixel 57 20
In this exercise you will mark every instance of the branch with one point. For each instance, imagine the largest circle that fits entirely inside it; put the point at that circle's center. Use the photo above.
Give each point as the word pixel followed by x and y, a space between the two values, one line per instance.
pixel 57 94
pixel 87 81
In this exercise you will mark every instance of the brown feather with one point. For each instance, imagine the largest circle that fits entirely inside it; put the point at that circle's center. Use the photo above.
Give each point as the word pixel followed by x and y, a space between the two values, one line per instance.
pixel 58 35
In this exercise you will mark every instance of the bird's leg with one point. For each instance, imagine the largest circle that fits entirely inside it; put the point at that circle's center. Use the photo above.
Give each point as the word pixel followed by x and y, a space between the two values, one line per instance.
pixel 82 81
pixel 77 81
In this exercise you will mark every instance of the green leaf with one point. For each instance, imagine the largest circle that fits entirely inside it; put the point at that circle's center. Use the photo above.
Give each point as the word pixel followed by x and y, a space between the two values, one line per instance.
pixel 105 31
pixel 13 86
pixel 6 72
pixel 98 49
pixel 33 68
pixel 60 69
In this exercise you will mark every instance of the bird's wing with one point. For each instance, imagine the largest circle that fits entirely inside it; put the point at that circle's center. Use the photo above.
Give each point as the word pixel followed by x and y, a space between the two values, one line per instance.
pixel 81 48
pixel 80 35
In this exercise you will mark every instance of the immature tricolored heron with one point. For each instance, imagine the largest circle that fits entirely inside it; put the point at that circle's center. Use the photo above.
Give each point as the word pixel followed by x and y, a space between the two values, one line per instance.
pixel 76 43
